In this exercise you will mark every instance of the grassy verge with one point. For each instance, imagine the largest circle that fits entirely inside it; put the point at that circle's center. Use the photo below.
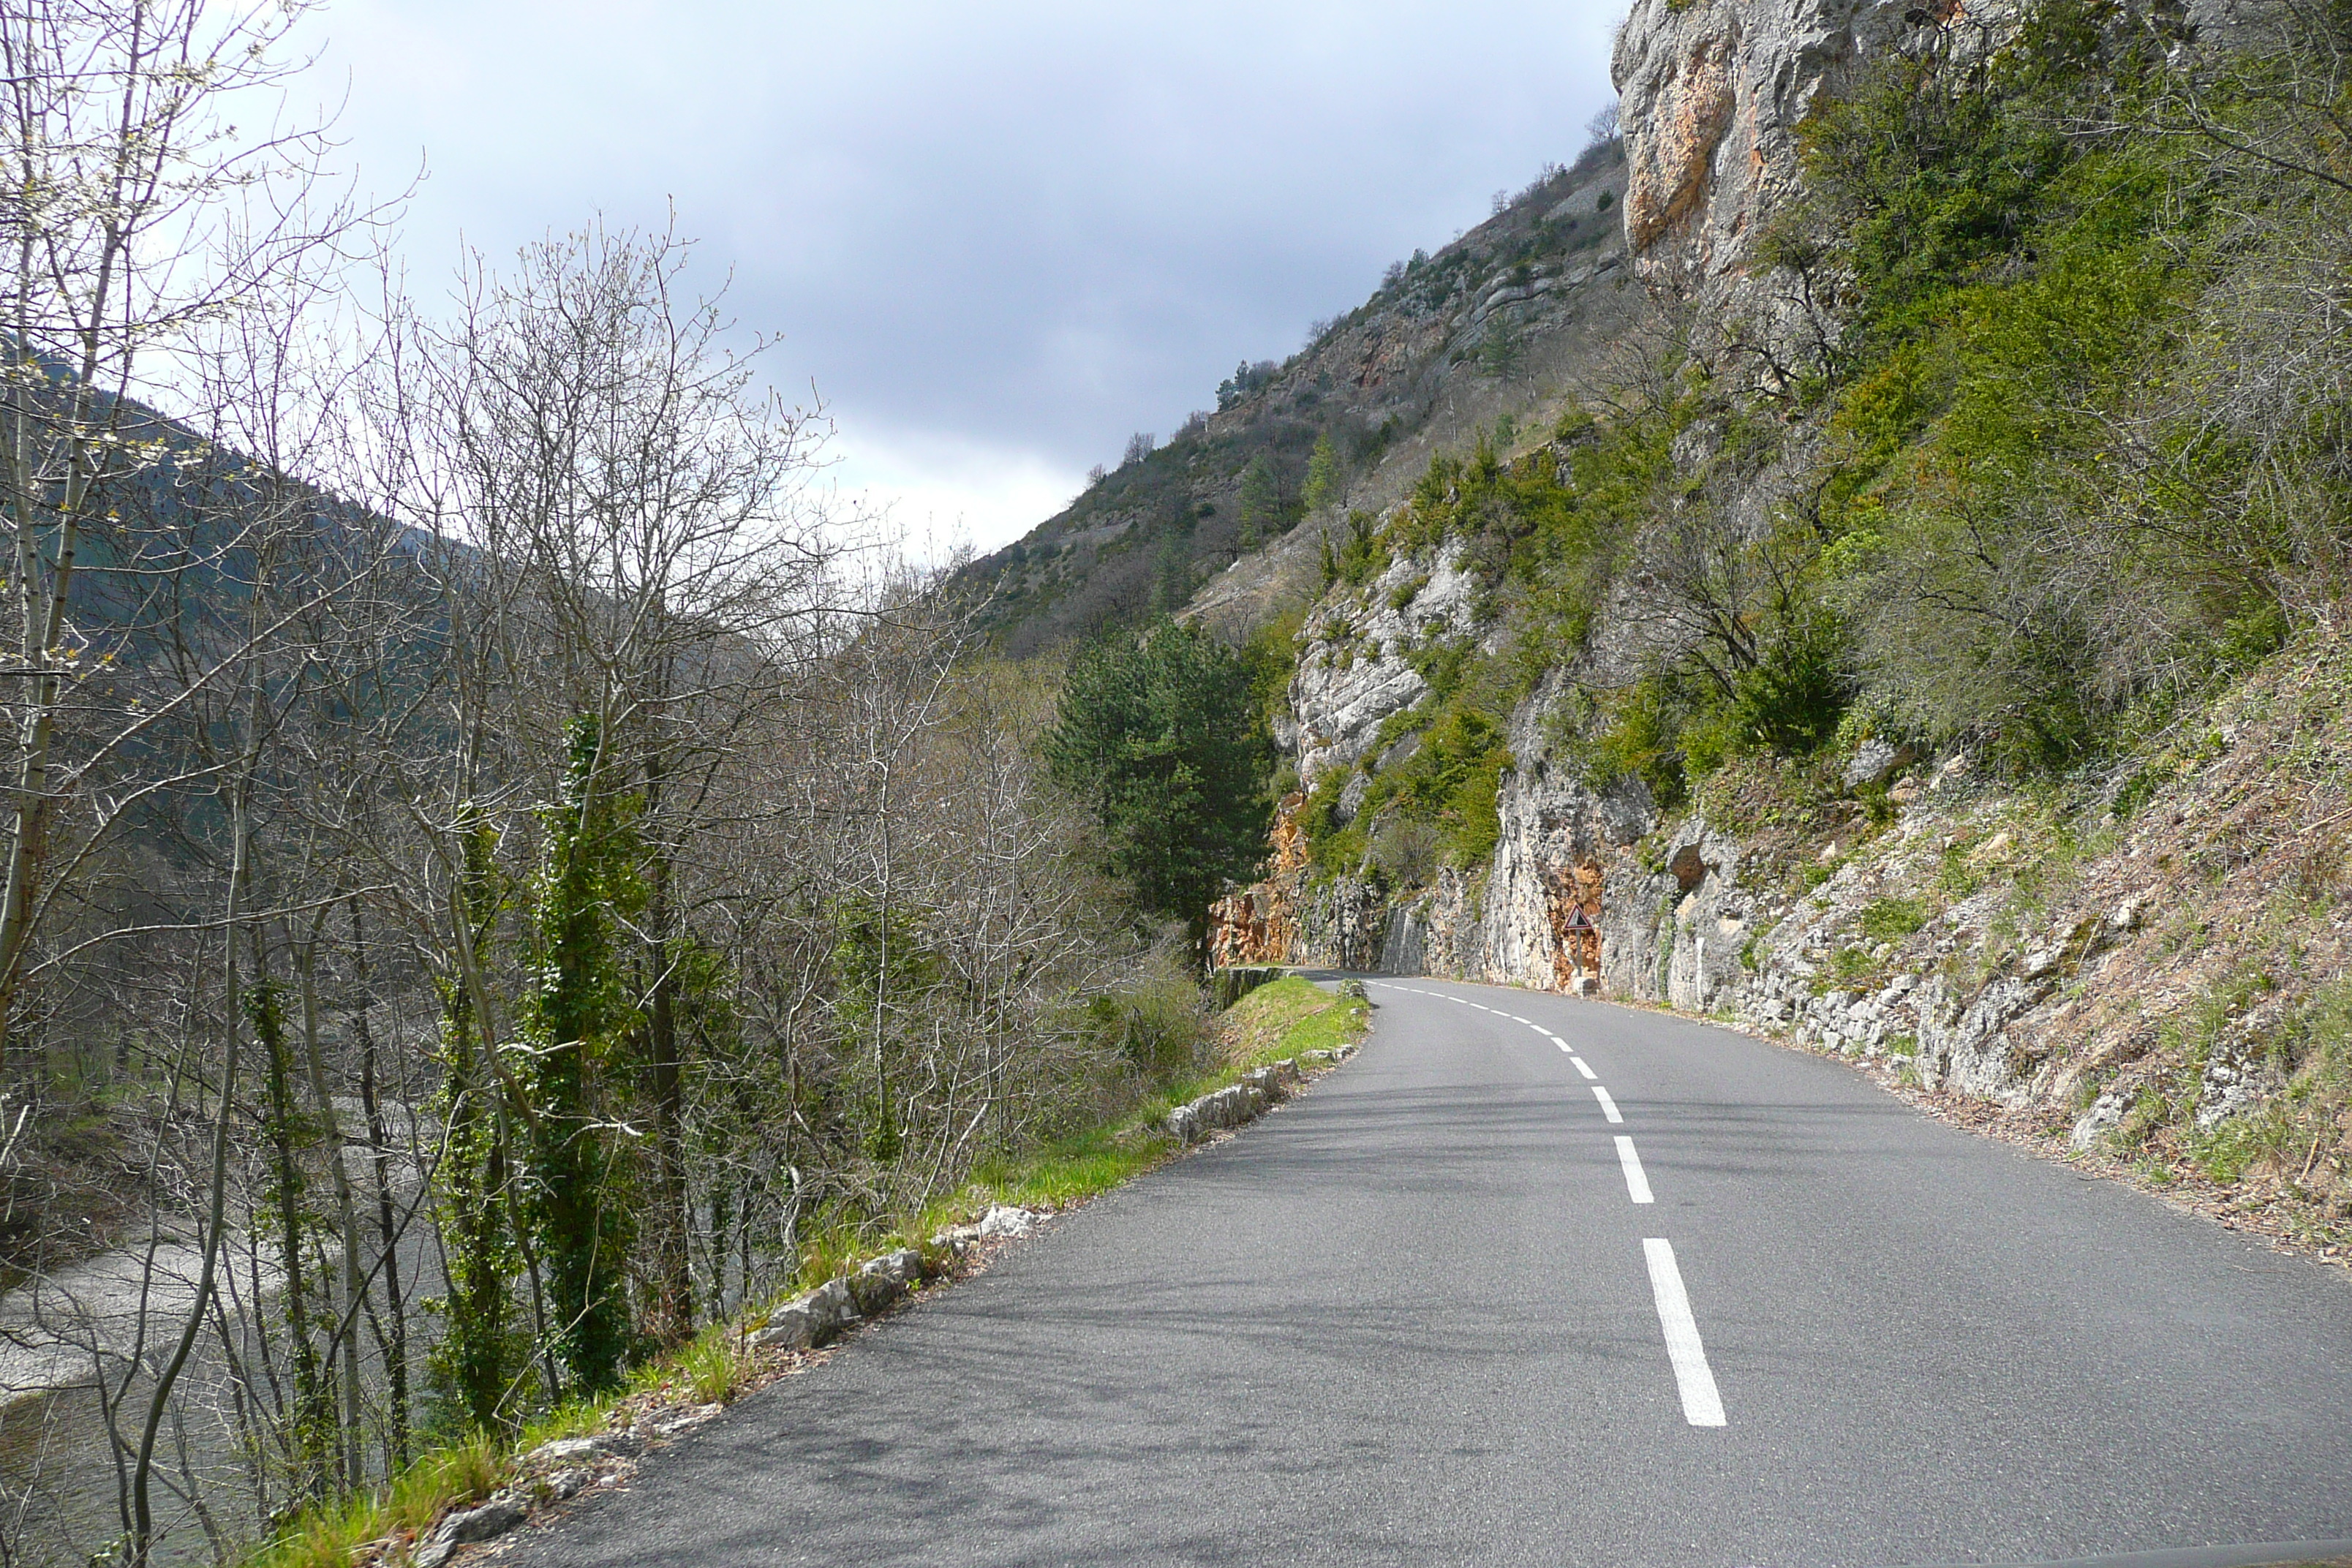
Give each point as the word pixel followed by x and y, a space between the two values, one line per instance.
pixel 1282 1019
pixel 1287 1018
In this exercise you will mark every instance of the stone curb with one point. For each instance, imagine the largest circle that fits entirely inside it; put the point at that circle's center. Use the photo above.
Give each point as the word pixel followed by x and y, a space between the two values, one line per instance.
pixel 811 1319
pixel 1243 1102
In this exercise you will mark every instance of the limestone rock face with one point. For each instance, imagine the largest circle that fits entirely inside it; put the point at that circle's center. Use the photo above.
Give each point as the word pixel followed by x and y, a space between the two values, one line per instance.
pixel 1355 673
pixel 1710 94
pixel 1673 70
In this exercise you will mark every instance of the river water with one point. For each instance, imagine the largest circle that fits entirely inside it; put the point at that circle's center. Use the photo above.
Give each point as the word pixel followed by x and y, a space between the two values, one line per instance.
pixel 62 1483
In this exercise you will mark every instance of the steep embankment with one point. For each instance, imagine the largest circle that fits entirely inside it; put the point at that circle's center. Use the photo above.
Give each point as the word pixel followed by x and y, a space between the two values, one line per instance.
pixel 2148 963
pixel 1921 653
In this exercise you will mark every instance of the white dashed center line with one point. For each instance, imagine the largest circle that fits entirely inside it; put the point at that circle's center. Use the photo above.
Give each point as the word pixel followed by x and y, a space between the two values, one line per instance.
pixel 1702 1404
pixel 1637 1185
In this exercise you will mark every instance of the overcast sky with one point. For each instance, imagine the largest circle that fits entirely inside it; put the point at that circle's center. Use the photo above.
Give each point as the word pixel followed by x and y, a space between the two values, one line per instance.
pixel 997 240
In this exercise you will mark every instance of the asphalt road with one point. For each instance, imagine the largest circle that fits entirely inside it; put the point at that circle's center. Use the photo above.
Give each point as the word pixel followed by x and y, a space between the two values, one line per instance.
pixel 1419 1316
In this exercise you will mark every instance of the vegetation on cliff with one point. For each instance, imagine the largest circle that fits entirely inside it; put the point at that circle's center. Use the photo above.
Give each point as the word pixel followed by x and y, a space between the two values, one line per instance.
pixel 2006 505
pixel 2041 432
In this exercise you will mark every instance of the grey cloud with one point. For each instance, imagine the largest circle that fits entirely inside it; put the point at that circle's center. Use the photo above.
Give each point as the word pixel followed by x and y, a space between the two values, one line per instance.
pixel 1038 226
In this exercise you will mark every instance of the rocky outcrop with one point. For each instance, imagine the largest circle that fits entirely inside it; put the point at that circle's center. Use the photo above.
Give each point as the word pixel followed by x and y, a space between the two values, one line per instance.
pixel 1358 670
pixel 1710 95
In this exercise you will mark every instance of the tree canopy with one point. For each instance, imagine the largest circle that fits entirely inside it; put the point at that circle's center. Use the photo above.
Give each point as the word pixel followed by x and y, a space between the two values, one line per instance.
pixel 1156 733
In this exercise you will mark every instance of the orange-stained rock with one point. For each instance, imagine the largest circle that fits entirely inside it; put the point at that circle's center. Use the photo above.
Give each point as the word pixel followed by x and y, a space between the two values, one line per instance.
pixel 1572 894
pixel 1711 93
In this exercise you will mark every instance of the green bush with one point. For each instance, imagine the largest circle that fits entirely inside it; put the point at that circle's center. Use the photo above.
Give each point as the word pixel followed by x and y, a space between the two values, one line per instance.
pixel 1892 919
pixel 1363 553
pixel 1157 1024
pixel 1637 734
pixel 2032 514
pixel 1449 784
pixel 1792 699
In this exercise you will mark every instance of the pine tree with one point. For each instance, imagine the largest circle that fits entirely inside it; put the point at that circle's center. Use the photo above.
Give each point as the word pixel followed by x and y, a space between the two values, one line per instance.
pixel 1323 475
pixel 1261 509
pixel 1156 733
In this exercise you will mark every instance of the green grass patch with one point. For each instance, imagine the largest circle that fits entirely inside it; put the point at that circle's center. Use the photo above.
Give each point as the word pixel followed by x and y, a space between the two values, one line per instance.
pixel 1073 1168
pixel 1892 919
pixel 1327 1029
pixel 1287 1017
pixel 1853 966
pixel 2235 1142
pixel 329 1535
pixel 715 1366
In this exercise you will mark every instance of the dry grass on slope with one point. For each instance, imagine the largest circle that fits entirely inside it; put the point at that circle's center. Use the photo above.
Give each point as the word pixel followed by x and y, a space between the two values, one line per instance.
pixel 2186 939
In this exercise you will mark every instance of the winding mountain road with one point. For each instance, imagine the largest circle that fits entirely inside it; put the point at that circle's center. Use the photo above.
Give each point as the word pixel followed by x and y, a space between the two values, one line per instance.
pixel 1543 1281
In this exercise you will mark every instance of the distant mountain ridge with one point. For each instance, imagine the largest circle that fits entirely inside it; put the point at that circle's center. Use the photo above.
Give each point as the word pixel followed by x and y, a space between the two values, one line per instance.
pixel 1226 515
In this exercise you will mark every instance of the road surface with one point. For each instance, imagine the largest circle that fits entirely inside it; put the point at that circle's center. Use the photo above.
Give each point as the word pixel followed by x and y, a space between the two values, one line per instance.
pixel 1537 1279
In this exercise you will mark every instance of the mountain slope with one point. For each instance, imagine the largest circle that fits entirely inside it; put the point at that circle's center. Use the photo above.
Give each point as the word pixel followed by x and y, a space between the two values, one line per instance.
pixel 1487 328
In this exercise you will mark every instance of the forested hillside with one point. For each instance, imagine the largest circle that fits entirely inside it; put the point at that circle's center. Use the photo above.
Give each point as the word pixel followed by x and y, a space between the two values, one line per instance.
pixel 496 887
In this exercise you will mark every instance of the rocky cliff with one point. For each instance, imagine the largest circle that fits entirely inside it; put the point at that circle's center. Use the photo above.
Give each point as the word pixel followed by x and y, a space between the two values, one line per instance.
pixel 2065 956
pixel 1711 94
pixel 2144 954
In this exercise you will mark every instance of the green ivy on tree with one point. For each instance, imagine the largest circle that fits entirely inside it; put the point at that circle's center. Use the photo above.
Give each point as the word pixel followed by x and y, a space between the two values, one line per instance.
pixel 574 1021
pixel 295 1135
pixel 480 1358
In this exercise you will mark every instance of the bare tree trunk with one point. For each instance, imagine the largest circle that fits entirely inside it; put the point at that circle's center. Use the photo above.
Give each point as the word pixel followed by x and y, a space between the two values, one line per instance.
pixel 388 1231
pixel 673 1266
pixel 346 1310
pixel 143 1471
